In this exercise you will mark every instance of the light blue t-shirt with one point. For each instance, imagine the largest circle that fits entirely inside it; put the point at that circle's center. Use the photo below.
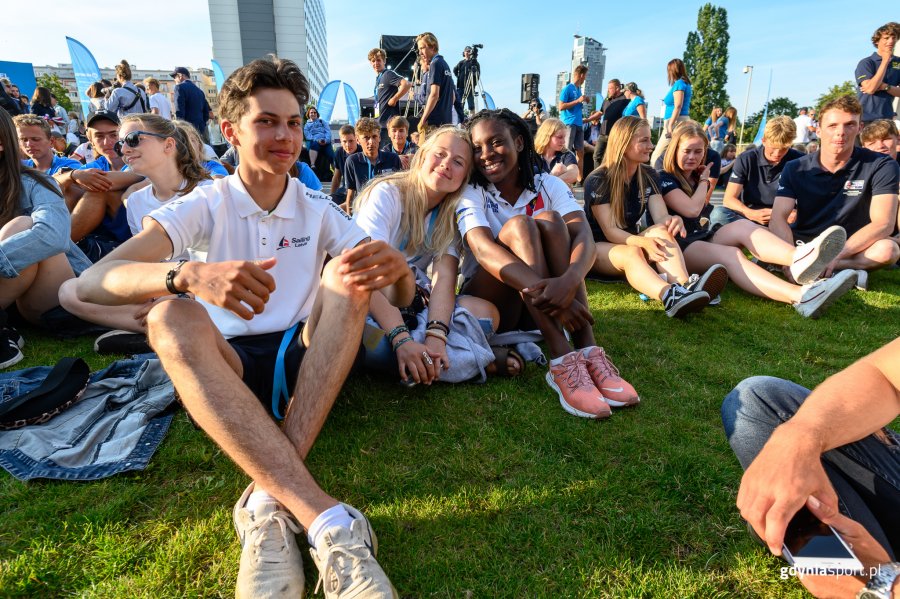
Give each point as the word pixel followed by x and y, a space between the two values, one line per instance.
pixel 722 127
pixel 632 108
pixel 669 100
pixel 573 115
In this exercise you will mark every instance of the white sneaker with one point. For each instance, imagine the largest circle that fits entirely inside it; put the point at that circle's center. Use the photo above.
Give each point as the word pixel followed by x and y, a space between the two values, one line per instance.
pixel 821 294
pixel 810 259
pixel 271 565
pixel 346 562
pixel 862 280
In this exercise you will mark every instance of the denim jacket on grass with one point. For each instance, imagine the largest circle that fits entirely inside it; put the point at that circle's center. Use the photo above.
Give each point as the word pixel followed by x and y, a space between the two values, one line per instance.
pixel 49 235
pixel 116 426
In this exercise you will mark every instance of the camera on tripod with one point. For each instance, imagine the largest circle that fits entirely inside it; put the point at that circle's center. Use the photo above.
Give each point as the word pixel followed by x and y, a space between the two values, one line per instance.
pixel 475 48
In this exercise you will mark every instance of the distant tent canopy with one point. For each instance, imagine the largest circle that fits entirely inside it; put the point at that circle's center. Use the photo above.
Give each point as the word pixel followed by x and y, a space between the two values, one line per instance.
pixel 401 54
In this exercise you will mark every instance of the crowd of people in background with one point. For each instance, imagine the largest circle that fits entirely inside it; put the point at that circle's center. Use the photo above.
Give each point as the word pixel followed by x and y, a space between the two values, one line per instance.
pixel 448 243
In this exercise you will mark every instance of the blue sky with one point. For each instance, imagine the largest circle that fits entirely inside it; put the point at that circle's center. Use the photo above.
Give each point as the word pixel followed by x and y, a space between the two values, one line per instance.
pixel 807 45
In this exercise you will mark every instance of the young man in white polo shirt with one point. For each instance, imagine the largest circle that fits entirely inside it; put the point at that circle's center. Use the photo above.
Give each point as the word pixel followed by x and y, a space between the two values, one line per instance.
pixel 266 236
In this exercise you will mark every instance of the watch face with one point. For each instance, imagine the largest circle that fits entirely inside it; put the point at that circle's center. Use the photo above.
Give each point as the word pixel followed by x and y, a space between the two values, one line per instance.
pixel 867 594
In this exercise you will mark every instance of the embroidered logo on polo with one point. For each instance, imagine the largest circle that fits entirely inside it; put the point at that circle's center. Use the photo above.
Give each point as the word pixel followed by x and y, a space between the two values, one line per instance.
pixel 462 213
pixel 297 242
pixel 535 205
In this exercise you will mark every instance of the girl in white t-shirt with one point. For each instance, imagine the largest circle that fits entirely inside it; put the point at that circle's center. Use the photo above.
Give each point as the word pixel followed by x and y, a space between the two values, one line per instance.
pixel 414 211
pixel 161 151
pixel 530 249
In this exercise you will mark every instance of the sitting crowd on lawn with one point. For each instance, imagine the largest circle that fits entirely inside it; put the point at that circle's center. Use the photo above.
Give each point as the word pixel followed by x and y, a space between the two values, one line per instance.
pixel 260 294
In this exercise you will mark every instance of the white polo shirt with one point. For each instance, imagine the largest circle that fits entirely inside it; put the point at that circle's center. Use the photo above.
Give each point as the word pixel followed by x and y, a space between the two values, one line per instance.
pixel 380 217
pixel 483 207
pixel 223 220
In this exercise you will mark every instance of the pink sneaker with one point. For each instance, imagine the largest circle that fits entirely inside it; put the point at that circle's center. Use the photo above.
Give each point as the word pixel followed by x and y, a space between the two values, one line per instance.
pixel 616 390
pixel 577 394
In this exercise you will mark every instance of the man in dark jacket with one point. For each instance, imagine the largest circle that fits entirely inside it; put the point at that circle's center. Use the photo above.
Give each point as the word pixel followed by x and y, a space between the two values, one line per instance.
pixel 190 101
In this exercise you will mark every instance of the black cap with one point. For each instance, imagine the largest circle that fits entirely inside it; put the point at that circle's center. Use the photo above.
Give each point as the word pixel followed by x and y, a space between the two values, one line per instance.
pixel 180 71
pixel 103 115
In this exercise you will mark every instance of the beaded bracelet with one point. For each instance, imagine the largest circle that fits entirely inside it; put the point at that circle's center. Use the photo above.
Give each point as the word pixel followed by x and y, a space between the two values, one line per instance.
pixel 396 331
pixel 401 342
pixel 437 324
pixel 436 334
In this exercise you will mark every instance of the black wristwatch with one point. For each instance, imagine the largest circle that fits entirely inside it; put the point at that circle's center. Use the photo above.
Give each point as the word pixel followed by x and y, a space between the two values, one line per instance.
pixel 881 583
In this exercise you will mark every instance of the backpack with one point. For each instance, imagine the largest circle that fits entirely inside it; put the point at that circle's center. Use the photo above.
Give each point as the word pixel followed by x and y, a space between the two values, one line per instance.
pixel 137 98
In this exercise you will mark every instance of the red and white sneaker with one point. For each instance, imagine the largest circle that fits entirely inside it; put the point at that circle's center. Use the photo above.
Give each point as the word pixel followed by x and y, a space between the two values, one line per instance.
pixel 577 394
pixel 616 391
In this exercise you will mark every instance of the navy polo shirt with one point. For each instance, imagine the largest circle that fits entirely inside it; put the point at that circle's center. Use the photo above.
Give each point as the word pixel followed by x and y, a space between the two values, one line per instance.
pixel 359 170
pixel 408 148
pixel 880 104
pixel 440 74
pixel 564 157
pixel 693 225
pixel 759 176
pixel 386 85
pixel 340 157
pixel 842 198
pixel 596 192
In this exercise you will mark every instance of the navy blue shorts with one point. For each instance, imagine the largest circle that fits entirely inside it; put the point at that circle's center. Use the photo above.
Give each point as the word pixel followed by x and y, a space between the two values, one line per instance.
pixel 258 354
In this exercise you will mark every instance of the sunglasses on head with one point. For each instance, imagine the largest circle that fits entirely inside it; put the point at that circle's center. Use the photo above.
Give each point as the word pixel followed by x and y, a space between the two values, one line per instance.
pixel 133 140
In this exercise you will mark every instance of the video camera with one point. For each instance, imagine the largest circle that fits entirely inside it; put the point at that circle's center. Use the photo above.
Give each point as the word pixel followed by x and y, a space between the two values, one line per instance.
pixel 474 48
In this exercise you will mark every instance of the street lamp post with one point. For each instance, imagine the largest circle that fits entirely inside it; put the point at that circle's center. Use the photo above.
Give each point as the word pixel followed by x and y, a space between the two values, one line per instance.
pixel 747 69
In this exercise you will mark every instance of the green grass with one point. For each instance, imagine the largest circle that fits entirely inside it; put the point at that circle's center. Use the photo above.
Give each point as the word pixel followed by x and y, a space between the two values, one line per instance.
pixel 475 490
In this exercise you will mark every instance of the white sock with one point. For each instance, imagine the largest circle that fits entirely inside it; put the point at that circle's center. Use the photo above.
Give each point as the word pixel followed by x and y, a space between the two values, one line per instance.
pixel 258 498
pixel 586 350
pixel 335 516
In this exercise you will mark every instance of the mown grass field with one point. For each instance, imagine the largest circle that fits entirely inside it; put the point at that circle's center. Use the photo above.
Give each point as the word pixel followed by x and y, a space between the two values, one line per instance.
pixel 475 490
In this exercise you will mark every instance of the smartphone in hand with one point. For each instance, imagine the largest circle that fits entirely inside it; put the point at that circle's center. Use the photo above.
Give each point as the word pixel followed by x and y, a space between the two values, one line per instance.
pixel 813 547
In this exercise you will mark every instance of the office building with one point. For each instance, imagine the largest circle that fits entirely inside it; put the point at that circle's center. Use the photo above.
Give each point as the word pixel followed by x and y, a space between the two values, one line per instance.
pixel 592 54
pixel 244 30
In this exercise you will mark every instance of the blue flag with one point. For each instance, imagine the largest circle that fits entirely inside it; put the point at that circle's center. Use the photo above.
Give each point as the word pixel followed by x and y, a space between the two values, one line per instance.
pixel 326 100
pixel 219 74
pixel 86 71
pixel 352 104
pixel 762 123
pixel 489 102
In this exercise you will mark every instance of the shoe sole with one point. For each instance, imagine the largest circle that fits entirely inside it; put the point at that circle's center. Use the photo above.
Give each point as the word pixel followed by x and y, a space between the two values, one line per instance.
pixel 14 360
pixel 832 243
pixel 715 281
pixel 845 286
pixel 690 305
pixel 568 408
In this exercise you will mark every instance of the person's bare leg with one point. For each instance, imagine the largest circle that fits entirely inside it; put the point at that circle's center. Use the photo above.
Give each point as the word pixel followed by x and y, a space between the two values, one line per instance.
pixel 35 289
pixel 88 213
pixel 761 242
pixel 211 389
pixel 617 259
pixel 523 238
pixel 673 266
pixel 332 335
pixel 700 255
pixel 883 252
pixel 558 250
pixel 483 309
pixel 579 156
pixel 114 317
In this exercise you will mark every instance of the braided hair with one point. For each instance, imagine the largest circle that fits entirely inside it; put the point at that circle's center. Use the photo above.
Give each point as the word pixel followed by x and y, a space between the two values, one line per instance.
pixel 529 161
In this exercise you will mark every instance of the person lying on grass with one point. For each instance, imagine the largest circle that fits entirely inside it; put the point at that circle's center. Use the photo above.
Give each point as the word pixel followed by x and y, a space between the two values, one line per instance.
pixel 264 305
pixel 684 183
pixel 529 248
pixel 414 211
pixel 618 194
pixel 829 450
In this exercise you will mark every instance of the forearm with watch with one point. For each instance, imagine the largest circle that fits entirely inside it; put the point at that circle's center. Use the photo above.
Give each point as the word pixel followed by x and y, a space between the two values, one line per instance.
pixel 883 584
